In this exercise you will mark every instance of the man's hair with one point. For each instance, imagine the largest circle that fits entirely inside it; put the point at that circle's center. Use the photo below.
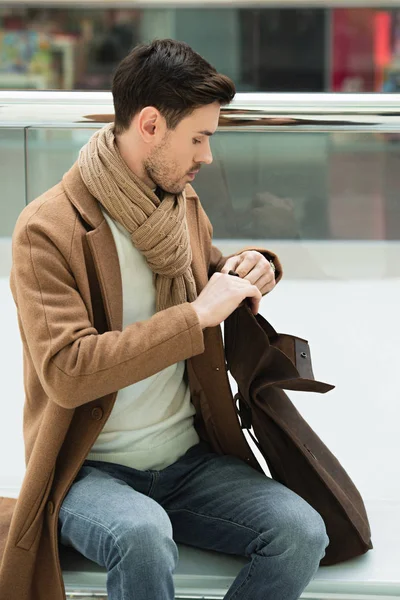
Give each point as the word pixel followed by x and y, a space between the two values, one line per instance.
pixel 170 76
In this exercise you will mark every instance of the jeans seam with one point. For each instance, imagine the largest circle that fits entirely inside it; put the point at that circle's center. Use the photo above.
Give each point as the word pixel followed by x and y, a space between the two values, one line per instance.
pixel 249 574
pixel 105 528
pixel 154 480
pixel 197 514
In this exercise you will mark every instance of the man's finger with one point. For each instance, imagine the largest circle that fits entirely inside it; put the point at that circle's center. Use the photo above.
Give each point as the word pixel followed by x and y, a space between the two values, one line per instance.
pixel 252 261
pixel 231 264
pixel 267 280
pixel 268 287
pixel 246 265
pixel 257 273
pixel 255 302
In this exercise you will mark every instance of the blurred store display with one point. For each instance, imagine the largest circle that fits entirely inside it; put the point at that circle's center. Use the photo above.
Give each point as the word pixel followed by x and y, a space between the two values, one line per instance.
pixel 44 48
pixel 36 60
pixel 309 47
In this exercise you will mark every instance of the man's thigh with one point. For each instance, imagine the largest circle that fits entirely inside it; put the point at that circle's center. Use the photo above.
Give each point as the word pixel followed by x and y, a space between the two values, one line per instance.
pixel 101 512
pixel 223 504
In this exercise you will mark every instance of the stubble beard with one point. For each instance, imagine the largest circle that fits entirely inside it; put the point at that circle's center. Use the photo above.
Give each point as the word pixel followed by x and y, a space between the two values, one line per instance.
pixel 159 170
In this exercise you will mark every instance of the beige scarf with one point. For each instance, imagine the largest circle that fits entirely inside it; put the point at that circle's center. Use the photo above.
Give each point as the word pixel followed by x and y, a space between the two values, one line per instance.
pixel 157 229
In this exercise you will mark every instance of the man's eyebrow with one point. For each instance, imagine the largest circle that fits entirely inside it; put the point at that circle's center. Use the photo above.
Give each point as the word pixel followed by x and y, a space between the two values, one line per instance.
pixel 206 132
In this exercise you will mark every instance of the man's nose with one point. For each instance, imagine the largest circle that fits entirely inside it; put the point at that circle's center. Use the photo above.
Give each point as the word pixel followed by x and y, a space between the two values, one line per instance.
pixel 206 156
pixel 209 158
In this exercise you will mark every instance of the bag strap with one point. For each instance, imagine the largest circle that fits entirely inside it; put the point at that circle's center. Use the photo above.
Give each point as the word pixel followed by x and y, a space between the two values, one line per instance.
pixel 244 412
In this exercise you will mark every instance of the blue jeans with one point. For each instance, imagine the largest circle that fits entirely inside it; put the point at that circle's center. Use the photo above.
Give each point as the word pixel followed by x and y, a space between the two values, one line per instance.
pixel 128 521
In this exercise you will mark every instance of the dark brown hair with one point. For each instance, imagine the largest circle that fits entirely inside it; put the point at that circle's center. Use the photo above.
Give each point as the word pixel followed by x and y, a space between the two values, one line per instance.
pixel 170 76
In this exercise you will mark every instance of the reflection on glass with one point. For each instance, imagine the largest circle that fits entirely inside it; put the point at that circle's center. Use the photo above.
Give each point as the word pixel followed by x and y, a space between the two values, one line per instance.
pixel 287 186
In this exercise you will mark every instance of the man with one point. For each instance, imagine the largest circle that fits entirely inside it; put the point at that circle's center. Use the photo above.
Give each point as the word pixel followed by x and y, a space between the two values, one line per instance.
pixel 132 442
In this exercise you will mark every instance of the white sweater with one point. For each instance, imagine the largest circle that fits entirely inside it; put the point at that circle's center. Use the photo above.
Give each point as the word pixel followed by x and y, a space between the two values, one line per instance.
pixel 151 424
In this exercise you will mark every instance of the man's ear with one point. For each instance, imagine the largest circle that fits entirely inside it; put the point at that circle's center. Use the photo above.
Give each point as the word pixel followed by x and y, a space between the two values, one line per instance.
pixel 149 123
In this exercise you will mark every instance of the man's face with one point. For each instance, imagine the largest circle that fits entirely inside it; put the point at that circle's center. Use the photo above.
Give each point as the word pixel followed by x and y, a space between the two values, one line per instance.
pixel 171 163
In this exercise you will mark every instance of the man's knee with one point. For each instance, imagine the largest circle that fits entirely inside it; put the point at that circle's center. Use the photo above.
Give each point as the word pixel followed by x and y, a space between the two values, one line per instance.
pixel 310 534
pixel 147 542
pixel 298 532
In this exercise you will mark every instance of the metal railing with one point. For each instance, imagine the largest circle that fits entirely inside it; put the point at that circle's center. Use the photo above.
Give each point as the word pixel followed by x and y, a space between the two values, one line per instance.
pixel 247 112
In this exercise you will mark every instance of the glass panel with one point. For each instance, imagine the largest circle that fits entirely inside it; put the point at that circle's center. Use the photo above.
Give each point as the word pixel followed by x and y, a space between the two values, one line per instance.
pixel 51 152
pixel 267 185
pixel 12 178
pixel 314 186
pixel 12 201
pixel 284 186
pixel 262 49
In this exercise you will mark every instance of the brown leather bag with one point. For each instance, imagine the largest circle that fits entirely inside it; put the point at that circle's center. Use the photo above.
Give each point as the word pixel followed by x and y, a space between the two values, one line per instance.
pixel 264 363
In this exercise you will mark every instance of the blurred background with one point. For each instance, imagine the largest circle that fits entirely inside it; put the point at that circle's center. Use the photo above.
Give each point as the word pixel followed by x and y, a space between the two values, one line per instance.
pixel 264 46
pixel 317 186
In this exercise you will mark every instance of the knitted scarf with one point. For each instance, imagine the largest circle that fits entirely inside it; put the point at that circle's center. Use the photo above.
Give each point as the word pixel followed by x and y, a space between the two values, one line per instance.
pixel 157 229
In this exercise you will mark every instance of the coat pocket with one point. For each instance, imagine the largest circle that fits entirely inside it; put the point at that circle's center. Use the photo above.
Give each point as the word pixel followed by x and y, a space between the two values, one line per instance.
pixel 34 522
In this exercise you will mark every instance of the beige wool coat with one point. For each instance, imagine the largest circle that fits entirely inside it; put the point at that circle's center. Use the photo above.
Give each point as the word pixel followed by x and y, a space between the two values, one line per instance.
pixel 67 288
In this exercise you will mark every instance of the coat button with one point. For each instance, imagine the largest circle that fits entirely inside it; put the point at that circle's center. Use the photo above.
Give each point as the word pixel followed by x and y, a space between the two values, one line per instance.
pixel 97 413
pixel 50 507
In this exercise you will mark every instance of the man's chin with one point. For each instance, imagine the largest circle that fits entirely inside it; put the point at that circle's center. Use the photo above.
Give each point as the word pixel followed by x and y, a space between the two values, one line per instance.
pixel 175 191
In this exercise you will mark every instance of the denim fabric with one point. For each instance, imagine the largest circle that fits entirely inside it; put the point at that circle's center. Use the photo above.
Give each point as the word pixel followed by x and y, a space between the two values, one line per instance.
pixel 129 520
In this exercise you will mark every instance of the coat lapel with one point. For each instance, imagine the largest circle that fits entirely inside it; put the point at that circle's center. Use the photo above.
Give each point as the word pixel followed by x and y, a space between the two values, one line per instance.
pixel 105 257
pixel 101 244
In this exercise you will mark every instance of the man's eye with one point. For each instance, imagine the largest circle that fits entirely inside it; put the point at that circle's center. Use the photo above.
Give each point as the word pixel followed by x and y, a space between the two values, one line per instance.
pixel 196 141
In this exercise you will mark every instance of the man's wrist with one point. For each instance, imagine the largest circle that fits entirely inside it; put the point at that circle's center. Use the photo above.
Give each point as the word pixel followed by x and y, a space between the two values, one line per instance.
pixel 200 315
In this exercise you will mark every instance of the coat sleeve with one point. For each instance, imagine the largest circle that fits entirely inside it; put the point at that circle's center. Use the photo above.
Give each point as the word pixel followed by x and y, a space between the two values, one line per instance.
pixel 74 363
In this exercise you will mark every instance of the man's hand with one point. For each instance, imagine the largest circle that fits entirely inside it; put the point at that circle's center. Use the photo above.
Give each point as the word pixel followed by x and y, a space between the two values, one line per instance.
pixel 254 267
pixel 221 296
